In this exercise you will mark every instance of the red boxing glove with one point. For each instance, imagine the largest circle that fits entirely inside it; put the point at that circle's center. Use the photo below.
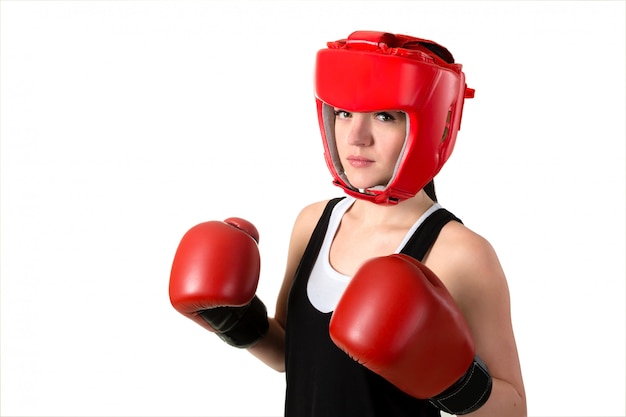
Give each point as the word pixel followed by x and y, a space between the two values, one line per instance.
pixel 214 277
pixel 397 319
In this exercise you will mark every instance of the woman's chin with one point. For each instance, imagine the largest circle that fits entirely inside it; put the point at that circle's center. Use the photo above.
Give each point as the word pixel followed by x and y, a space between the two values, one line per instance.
pixel 365 182
pixel 368 185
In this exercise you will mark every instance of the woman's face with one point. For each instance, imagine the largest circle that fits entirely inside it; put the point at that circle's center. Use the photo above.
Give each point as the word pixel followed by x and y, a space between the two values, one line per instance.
pixel 369 145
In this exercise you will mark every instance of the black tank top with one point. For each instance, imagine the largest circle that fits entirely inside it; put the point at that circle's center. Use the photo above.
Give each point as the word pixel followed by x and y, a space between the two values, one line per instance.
pixel 322 381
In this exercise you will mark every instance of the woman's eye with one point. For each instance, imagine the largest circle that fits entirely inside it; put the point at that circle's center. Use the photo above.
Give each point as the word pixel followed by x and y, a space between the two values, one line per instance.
pixel 385 117
pixel 342 114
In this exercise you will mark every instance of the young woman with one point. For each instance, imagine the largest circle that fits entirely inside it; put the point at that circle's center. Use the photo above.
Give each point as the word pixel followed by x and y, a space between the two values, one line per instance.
pixel 390 306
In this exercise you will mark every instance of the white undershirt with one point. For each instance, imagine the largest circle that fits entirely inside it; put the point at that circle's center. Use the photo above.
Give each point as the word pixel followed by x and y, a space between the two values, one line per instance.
pixel 326 285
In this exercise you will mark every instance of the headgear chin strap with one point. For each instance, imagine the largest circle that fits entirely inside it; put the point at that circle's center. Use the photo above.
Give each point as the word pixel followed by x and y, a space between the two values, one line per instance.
pixel 375 71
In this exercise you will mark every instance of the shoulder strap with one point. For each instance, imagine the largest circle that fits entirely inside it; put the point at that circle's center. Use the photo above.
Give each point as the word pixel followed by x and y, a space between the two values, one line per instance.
pixel 426 234
pixel 317 239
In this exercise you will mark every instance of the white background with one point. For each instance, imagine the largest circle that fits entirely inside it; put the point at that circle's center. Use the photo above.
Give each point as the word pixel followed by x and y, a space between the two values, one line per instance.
pixel 124 123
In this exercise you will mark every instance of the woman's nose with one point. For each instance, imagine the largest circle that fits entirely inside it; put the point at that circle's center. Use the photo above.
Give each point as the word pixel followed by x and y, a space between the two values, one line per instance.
pixel 360 133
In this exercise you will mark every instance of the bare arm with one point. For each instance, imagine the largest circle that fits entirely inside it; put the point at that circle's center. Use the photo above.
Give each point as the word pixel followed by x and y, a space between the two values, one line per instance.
pixel 469 267
pixel 271 349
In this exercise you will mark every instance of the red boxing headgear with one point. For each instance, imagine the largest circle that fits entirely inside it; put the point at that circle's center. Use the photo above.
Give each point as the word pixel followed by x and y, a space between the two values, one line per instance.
pixel 375 71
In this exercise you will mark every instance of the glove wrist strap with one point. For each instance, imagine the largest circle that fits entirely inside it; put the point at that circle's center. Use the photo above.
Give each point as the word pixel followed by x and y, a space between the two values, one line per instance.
pixel 241 327
pixel 469 393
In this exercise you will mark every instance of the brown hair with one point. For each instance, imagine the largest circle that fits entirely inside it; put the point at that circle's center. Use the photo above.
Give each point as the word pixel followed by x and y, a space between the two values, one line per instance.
pixel 429 189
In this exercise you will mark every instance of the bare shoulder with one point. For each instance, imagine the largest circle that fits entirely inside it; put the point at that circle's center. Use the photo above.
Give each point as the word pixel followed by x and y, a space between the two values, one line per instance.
pixel 464 245
pixel 467 263
pixel 311 213
pixel 305 223
pixel 303 228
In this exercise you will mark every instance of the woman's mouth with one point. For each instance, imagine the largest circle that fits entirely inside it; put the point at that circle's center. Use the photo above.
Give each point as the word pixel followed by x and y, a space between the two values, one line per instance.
pixel 359 161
